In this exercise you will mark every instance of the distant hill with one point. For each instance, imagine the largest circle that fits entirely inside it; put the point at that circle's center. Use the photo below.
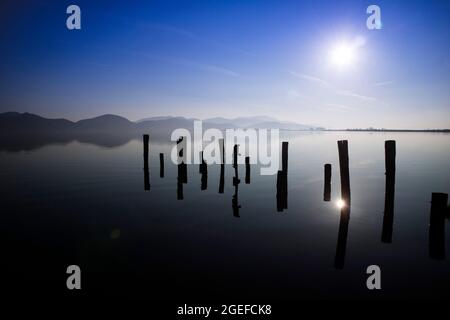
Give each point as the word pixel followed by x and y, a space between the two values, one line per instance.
pixel 107 122
pixel 26 122
pixel 113 124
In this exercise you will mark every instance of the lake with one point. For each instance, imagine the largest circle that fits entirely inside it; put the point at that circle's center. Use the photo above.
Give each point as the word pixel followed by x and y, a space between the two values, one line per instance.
pixel 83 203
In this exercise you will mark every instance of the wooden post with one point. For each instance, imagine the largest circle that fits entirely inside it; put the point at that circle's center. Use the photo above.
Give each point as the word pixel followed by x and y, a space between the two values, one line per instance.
pixel 235 200
pixel 388 217
pixel 236 179
pixel 344 168
pixel 204 172
pixel 235 156
pixel 282 179
pixel 146 166
pixel 247 170
pixel 161 165
pixel 181 145
pixel 437 226
pixel 203 166
pixel 284 156
pixel 327 183
pixel 222 166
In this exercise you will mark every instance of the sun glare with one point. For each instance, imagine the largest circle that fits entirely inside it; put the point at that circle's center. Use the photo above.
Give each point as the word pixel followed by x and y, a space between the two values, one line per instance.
pixel 342 55
pixel 340 203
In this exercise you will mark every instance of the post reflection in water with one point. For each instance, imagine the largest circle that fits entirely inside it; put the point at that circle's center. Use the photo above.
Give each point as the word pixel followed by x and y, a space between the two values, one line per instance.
pixel 247 170
pixel 181 179
pixel 327 183
pixel 161 165
pixel 182 167
pixel 222 167
pixel 436 230
pixel 344 204
pixel 341 247
pixel 203 169
pixel 235 200
pixel 388 218
pixel 282 191
pixel 146 167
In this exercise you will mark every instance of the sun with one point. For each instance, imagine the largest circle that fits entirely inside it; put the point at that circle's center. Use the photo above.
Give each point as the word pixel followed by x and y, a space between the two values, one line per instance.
pixel 343 55
pixel 340 204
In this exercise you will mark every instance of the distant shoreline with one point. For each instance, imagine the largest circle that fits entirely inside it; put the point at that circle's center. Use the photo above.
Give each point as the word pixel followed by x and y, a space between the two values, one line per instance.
pixel 374 130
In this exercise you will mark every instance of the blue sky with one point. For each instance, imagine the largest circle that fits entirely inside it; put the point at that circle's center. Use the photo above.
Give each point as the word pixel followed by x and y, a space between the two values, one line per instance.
pixel 229 58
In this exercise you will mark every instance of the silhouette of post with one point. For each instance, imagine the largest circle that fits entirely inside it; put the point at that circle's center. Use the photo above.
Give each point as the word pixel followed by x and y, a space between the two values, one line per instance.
pixel 222 178
pixel 235 200
pixel 345 174
pixel 388 217
pixel 247 170
pixel 341 247
pixel 236 180
pixel 327 183
pixel 181 145
pixel 284 156
pixel 203 168
pixel 180 180
pixel 161 165
pixel 282 179
pixel 222 166
pixel 146 138
pixel 437 225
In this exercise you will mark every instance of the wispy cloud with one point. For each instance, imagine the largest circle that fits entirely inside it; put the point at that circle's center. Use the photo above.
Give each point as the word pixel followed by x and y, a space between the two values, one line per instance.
pixel 350 94
pixel 330 86
pixel 311 79
pixel 294 95
pixel 382 84
pixel 190 63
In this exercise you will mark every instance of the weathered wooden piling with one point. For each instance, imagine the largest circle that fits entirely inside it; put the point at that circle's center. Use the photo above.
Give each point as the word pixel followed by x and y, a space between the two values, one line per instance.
pixel 247 170
pixel 437 225
pixel 327 182
pixel 161 165
pixel 284 156
pixel 222 166
pixel 203 168
pixel 282 179
pixel 235 156
pixel 344 168
pixel 236 179
pixel 389 198
pixel 146 138
pixel 181 145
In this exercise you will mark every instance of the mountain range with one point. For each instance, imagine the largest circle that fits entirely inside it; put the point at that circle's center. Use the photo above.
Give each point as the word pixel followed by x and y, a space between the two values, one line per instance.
pixel 15 122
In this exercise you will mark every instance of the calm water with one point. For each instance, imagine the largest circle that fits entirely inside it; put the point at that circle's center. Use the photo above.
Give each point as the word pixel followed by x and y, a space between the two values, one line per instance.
pixel 85 204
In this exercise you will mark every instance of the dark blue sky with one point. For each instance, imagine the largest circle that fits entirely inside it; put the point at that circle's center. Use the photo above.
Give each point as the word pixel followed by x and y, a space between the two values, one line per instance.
pixel 230 58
